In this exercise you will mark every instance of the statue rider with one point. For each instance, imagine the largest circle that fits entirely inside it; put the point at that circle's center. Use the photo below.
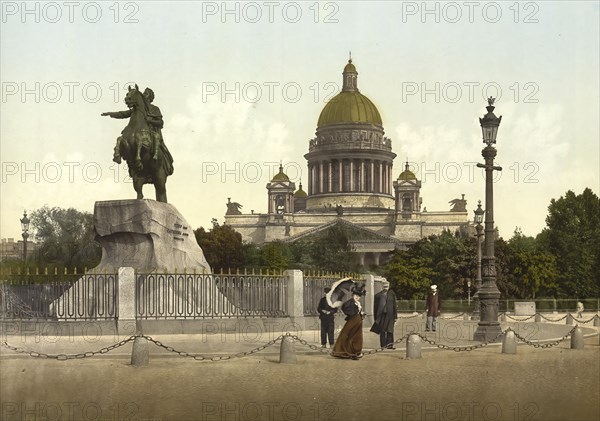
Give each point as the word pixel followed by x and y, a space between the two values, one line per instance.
pixel 155 122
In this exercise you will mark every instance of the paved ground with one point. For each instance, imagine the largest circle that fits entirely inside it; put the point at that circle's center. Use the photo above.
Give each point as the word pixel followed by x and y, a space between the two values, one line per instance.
pixel 536 384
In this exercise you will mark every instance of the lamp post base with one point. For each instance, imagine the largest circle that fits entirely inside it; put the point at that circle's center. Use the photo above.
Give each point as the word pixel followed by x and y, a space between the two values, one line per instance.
pixel 487 332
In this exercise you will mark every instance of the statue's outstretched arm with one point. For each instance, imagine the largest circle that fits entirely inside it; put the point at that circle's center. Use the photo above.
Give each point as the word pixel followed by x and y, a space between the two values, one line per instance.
pixel 118 114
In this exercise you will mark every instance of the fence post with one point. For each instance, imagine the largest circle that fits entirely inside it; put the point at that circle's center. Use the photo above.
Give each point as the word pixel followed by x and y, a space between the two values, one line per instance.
pixel 126 325
pixel 295 294
pixel 369 298
pixel 538 318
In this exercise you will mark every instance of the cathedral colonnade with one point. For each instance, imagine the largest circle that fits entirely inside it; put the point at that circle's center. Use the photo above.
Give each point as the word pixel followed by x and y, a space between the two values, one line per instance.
pixel 350 176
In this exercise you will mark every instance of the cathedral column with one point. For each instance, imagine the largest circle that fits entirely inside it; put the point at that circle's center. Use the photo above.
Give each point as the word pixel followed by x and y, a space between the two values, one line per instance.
pixel 311 168
pixel 351 175
pixel 320 177
pixel 372 181
pixel 361 183
pixel 340 174
pixel 380 187
pixel 329 179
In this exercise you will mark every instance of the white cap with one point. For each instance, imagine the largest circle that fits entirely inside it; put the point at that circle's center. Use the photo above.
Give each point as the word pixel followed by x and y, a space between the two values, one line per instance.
pixel 434 287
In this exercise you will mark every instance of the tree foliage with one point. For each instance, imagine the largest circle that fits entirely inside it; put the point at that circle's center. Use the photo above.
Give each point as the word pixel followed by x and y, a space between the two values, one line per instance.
pixel 444 260
pixel 222 247
pixel 572 235
pixel 65 238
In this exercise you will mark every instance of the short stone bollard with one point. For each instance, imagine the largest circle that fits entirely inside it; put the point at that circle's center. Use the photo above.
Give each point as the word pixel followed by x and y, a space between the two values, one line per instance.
pixel 597 320
pixel 413 346
pixel 569 319
pixel 509 343
pixel 140 353
pixel 577 338
pixel 538 318
pixel 466 317
pixel 287 352
pixel 503 317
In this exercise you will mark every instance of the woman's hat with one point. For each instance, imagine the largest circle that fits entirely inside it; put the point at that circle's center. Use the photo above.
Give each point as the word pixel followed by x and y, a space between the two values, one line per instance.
pixel 433 287
pixel 358 289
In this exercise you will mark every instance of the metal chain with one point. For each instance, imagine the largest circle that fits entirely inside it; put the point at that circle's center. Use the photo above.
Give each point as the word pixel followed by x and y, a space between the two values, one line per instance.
pixel 200 357
pixel 519 320
pixel 547 345
pixel 64 357
pixel 459 348
pixel 585 321
pixel 552 320
pixel 376 350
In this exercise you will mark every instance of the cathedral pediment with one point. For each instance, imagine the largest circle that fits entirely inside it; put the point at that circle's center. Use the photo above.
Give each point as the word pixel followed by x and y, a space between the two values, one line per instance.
pixel 357 236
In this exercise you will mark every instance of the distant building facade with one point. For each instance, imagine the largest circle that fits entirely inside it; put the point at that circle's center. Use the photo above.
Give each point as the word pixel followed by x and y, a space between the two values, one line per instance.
pixel 350 182
pixel 11 249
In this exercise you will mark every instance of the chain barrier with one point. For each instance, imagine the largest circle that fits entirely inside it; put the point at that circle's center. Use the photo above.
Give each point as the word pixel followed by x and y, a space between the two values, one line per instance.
pixel 64 357
pixel 519 320
pixel 201 357
pixel 459 348
pixel 585 321
pixel 552 320
pixel 546 345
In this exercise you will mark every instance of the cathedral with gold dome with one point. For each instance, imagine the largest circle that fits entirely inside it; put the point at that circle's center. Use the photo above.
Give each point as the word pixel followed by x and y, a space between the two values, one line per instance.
pixel 350 182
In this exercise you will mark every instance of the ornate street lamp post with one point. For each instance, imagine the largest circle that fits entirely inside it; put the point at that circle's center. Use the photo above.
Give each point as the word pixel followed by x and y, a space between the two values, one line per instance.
pixel 25 234
pixel 488 327
pixel 478 219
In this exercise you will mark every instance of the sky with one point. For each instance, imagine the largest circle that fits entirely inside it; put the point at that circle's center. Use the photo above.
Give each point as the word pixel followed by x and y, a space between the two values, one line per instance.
pixel 241 86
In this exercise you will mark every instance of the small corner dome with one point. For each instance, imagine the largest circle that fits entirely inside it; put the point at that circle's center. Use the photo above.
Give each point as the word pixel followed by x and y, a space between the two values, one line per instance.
pixel 281 176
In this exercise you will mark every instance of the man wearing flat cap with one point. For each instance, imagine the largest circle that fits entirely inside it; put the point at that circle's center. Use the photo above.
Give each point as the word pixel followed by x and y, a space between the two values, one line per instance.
pixel 432 307
pixel 386 314
pixel 327 317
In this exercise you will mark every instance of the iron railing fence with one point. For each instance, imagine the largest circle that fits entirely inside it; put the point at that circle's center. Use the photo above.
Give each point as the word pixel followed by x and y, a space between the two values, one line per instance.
pixel 199 296
pixel 72 297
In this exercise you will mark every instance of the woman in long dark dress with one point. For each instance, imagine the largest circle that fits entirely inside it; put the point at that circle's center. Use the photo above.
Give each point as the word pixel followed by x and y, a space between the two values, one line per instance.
pixel 350 340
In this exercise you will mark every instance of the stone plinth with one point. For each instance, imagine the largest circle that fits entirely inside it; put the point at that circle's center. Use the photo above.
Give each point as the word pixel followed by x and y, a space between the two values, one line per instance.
pixel 138 237
pixel 147 236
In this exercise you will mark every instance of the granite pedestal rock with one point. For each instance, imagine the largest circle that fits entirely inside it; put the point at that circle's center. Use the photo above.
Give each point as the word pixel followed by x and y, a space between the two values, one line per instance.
pixel 145 235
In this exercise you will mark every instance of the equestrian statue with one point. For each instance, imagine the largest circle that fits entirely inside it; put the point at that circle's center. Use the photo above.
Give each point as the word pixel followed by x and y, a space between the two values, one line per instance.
pixel 141 143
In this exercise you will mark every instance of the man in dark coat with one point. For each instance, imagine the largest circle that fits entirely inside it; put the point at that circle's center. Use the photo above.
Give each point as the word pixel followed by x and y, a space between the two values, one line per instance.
pixel 386 314
pixel 327 317
pixel 432 307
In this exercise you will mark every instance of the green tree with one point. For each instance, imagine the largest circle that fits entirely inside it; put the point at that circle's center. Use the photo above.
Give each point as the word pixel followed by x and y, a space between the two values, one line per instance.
pixel 222 247
pixel 65 238
pixel 531 269
pixel 572 235
pixel 328 250
pixel 276 255
pixel 444 259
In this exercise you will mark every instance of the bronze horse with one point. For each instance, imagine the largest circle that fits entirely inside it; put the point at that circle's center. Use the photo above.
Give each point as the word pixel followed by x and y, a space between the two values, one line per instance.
pixel 147 164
